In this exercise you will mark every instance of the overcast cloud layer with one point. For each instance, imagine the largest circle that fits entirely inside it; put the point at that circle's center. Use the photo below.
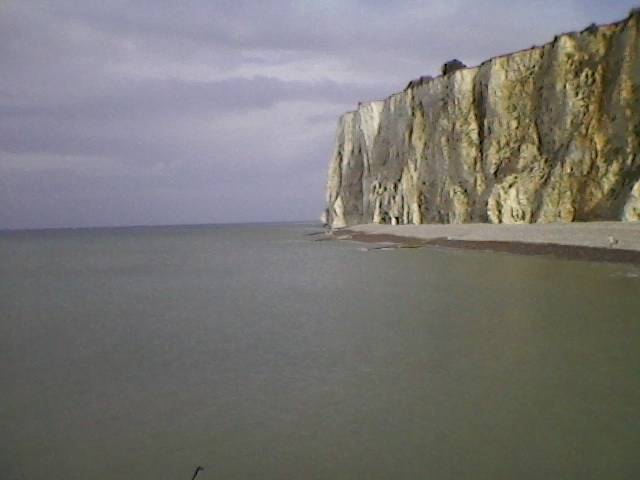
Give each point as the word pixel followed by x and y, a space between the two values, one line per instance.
pixel 209 111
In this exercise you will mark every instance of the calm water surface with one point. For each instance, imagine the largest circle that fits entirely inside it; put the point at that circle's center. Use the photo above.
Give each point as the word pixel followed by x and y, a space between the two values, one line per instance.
pixel 260 354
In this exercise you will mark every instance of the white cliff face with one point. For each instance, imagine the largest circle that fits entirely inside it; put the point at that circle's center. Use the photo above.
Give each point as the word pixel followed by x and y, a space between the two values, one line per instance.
pixel 543 135
pixel 632 207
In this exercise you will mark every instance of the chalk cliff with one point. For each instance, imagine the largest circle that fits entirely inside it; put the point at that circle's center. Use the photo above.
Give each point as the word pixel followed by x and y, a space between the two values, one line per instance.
pixel 546 134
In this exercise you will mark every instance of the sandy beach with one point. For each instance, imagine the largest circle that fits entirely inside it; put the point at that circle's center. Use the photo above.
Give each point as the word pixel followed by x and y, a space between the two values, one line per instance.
pixel 592 241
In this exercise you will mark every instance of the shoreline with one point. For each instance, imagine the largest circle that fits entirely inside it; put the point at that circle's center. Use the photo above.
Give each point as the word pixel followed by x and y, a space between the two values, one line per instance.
pixel 571 241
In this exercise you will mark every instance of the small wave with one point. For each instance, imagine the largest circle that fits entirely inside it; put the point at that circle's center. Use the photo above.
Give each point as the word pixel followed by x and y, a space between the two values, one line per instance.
pixel 633 274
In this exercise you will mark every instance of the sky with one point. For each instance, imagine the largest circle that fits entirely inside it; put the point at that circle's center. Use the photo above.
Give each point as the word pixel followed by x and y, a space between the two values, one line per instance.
pixel 147 112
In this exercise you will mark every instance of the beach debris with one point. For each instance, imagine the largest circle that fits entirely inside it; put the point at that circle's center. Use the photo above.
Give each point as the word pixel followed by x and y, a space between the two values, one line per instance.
pixel 635 274
pixel 197 471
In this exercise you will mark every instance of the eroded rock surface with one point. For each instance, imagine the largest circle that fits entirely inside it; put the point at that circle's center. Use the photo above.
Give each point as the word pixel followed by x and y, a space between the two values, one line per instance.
pixel 542 135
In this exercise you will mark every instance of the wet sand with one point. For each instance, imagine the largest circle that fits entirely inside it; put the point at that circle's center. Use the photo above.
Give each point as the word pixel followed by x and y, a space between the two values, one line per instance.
pixel 593 241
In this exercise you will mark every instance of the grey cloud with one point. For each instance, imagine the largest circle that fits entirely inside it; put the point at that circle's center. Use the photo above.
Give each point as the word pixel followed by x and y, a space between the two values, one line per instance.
pixel 201 110
pixel 132 119
pixel 152 97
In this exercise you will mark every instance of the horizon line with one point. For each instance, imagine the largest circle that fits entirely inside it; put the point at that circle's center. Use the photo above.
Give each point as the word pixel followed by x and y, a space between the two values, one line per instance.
pixel 158 225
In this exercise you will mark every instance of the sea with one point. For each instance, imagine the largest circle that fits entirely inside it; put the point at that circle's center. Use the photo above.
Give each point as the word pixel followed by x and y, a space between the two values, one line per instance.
pixel 262 352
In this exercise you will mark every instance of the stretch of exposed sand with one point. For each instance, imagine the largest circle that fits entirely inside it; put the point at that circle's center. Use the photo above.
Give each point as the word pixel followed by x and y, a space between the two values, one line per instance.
pixel 605 241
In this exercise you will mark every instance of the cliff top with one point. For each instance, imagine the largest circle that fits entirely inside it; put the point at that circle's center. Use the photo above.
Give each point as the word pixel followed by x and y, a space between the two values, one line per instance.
pixel 454 66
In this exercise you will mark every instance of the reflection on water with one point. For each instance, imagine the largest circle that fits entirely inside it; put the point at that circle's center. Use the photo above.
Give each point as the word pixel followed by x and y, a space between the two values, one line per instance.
pixel 259 353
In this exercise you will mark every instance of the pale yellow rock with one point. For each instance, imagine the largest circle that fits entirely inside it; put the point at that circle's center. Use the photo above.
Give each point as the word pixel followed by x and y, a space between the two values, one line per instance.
pixel 632 207
pixel 548 134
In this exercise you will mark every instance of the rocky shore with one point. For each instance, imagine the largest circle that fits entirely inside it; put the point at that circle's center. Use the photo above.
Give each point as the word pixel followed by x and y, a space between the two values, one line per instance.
pixel 591 241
